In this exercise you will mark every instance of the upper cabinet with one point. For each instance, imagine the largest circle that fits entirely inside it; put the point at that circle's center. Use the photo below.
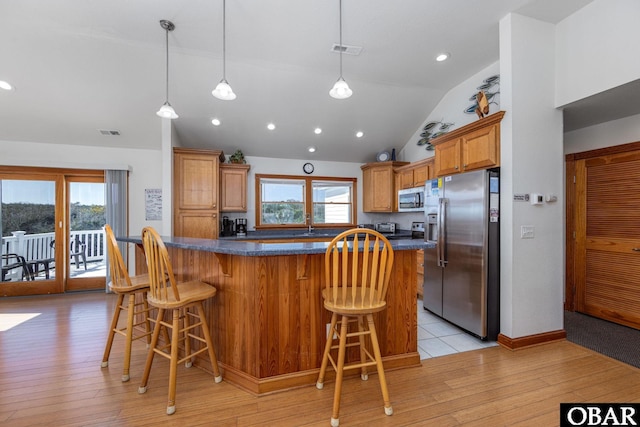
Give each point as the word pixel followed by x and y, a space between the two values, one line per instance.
pixel 414 174
pixel 233 187
pixel 196 182
pixel 378 186
pixel 196 178
pixel 471 147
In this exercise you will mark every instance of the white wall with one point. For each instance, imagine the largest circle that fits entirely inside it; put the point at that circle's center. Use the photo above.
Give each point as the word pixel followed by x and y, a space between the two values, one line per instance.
pixel 593 50
pixel 532 270
pixel 266 165
pixel 165 168
pixel 607 134
pixel 597 49
pixel 451 110
pixel 140 163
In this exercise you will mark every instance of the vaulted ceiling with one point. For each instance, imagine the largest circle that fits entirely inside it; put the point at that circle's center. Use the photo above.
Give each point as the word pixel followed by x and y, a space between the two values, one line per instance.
pixel 79 67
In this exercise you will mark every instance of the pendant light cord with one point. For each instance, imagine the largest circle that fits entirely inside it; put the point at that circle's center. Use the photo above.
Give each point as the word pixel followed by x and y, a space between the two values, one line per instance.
pixel 166 31
pixel 341 38
pixel 224 40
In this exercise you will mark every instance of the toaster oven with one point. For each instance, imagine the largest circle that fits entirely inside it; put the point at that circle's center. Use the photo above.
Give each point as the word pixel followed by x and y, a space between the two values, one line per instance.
pixel 386 227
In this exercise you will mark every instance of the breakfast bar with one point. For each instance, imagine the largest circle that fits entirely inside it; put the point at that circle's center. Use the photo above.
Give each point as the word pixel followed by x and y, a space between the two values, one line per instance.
pixel 267 320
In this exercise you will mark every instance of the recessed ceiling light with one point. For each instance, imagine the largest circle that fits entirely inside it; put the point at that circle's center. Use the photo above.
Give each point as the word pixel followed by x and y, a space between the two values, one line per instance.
pixel 271 126
pixel 359 134
pixel 442 56
pixel 216 122
pixel 312 149
pixel 5 85
pixel 317 131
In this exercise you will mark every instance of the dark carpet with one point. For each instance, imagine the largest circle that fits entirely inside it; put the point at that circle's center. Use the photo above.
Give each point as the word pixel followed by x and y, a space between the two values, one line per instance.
pixel 613 340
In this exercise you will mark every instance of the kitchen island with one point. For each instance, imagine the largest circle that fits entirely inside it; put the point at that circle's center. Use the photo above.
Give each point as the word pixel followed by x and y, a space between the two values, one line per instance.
pixel 267 320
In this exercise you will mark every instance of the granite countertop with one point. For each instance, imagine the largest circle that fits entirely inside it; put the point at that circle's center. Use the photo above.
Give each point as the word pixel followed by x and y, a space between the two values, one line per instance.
pixel 239 247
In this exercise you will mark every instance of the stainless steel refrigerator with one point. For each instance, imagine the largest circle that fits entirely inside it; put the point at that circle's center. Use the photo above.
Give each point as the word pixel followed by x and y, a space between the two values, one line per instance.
pixel 462 272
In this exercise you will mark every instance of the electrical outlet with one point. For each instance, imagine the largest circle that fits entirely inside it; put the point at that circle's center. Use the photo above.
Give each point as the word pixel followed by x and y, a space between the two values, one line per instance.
pixel 527 231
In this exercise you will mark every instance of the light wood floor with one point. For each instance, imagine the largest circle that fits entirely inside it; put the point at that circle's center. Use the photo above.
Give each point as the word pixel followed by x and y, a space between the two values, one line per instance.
pixel 50 375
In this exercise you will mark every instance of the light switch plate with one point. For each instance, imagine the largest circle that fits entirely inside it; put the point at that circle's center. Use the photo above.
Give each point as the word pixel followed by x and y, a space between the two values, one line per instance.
pixel 527 231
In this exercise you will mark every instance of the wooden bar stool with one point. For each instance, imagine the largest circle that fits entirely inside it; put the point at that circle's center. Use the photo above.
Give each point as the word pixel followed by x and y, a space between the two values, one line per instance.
pixel 357 276
pixel 125 286
pixel 176 298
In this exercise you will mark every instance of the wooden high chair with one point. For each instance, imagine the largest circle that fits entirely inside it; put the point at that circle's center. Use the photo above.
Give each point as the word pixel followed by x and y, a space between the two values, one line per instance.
pixel 125 286
pixel 357 276
pixel 176 298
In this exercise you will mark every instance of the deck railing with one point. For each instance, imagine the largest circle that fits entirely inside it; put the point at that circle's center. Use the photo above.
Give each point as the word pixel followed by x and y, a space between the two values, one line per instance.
pixel 38 246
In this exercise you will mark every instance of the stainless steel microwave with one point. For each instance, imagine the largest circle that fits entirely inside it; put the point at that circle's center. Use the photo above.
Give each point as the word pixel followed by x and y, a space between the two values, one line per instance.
pixel 411 199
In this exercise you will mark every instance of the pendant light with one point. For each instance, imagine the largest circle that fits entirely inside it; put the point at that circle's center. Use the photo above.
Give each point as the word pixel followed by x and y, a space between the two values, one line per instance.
pixel 166 111
pixel 341 89
pixel 223 90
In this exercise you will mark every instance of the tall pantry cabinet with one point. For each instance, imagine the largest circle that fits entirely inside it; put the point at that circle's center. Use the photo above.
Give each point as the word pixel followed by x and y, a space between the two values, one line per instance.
pixel 196 175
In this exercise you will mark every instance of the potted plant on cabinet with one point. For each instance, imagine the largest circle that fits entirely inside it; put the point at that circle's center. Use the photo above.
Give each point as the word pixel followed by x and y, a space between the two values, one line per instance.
pixel 237 157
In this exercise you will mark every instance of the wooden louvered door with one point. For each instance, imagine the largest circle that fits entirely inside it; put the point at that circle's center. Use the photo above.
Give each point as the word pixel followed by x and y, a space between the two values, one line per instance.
pixel 607 216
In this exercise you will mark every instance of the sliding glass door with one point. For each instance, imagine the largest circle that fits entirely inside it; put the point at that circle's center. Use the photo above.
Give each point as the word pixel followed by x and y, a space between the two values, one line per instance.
pixel 52 227
pixel 86 264
pixel 30 220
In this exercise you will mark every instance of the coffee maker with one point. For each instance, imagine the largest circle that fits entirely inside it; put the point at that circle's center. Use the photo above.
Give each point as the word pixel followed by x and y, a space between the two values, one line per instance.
pixel 228 228
pixel 241 227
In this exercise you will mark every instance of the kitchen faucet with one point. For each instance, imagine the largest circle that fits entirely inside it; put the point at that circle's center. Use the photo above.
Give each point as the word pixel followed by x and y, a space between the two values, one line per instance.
pixel 309 223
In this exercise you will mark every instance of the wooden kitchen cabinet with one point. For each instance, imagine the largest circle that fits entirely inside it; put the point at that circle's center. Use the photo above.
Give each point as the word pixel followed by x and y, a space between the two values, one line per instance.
pixel 196 180
pixel 379 188
pixel 447 158
pixel 233 187
pixel 420 272
pixel 405 179
pixel 422 172
pixel 471 147
pixel 197 223
pixel 414 174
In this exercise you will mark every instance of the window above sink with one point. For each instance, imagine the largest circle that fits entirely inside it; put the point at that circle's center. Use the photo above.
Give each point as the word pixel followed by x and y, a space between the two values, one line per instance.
pixel 287 202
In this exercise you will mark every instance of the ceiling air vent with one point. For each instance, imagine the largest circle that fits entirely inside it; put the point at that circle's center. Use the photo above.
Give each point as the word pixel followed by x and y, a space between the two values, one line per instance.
pixel 109 132
pixel 346 49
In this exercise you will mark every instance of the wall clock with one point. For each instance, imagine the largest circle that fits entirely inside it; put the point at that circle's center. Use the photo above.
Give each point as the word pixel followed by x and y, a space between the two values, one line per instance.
pixel 307 168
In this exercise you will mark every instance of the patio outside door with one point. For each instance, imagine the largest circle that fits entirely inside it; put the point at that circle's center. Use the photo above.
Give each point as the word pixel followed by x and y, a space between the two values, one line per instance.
pixel 52 233
pixel 86 262
pixel 29 225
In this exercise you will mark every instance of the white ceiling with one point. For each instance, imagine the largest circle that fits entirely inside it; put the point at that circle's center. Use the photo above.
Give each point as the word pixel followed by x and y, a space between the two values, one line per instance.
pixel 79 66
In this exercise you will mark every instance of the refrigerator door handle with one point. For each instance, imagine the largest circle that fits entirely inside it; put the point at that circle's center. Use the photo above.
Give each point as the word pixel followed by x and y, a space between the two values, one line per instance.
pixel 442 217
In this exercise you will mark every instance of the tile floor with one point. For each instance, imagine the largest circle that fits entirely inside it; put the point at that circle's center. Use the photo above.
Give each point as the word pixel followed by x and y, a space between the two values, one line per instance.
pixel 437 337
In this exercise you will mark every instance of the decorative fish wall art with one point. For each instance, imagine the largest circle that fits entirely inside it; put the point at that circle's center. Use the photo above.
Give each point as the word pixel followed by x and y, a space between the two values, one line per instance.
pixel 433 130
pixel 491 88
